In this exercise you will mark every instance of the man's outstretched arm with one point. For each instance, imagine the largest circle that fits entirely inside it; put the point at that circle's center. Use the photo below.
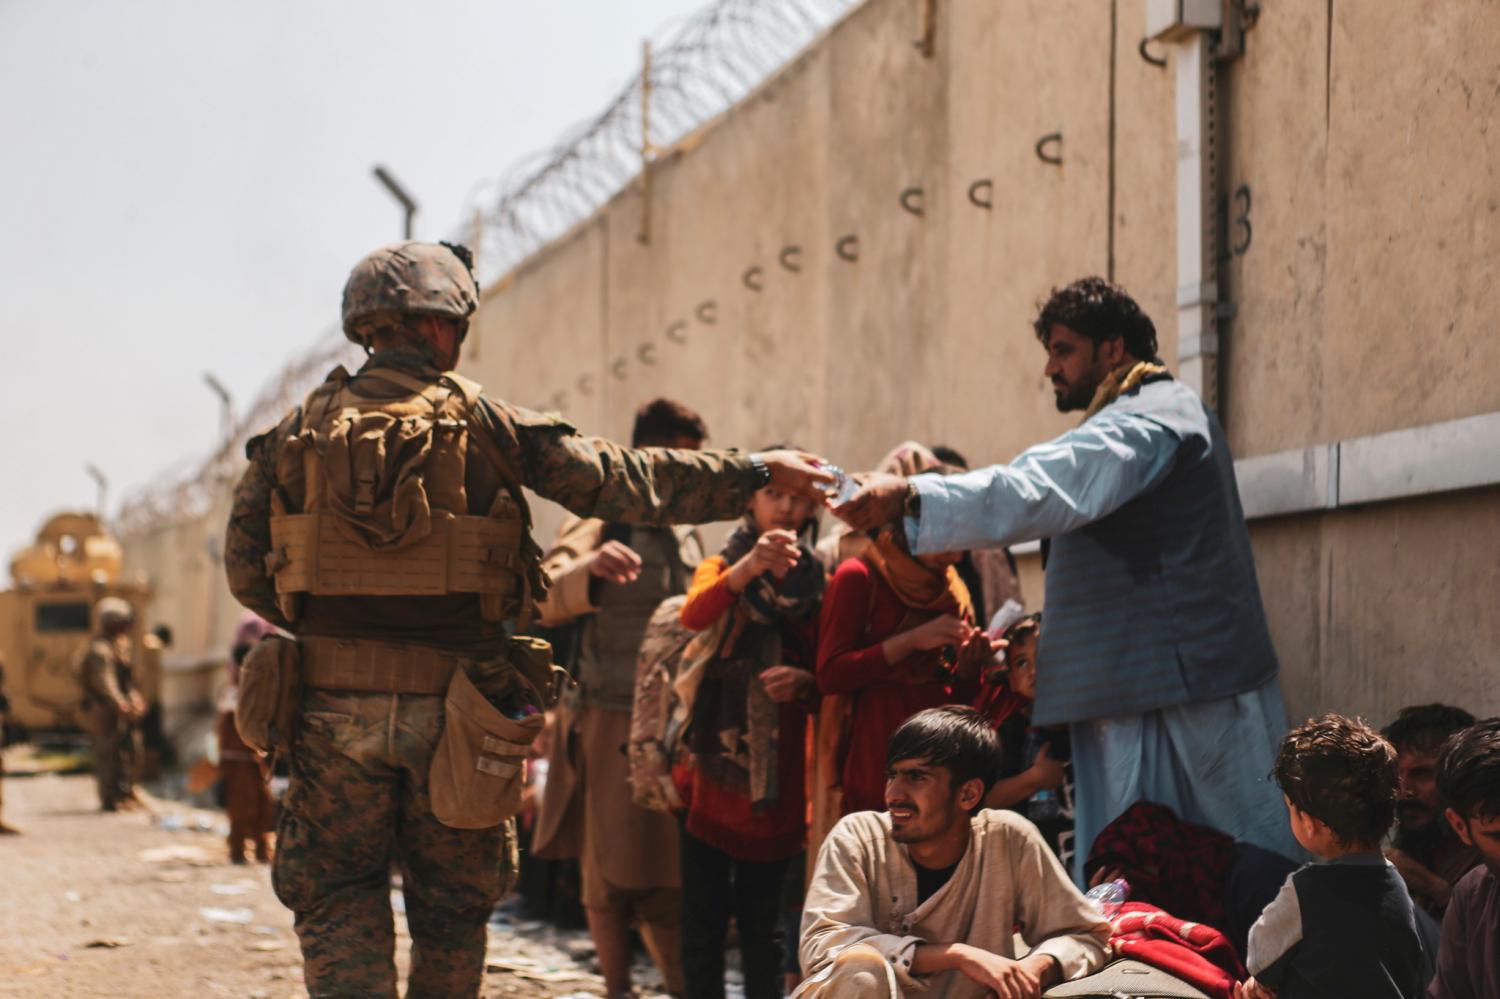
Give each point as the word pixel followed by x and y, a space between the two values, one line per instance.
pixel 1049 489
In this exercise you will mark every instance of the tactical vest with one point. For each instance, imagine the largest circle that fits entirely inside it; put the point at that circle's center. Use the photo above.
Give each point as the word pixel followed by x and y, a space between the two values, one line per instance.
pixel 372 500
pixel 612 638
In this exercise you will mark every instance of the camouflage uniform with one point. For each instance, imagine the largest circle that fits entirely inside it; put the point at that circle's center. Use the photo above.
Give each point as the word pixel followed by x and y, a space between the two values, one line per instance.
pixel 107 678
pixel 359 796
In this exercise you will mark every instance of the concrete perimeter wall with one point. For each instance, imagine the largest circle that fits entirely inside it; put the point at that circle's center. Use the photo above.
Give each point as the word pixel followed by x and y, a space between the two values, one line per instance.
pixel 1365 300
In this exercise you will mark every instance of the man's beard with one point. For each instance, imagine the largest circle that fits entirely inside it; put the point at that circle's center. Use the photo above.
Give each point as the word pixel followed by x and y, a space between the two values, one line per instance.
pixel 1422 842
pixel 1074 397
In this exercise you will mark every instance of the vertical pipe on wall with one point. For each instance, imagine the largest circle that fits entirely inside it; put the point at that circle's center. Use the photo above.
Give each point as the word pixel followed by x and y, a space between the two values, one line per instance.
pixel 1197 237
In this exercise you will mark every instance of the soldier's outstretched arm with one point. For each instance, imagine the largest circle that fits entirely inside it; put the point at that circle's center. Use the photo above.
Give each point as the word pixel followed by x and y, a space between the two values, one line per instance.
pixel 247 540
pixel 594 477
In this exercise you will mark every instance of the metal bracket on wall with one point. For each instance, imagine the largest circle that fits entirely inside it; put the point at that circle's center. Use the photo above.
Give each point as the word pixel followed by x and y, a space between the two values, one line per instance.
pixel 559 401
pixel 751 279
pixel 982 194
pixel 707 312
pixel 848 248
pixel 586 385
pixel 676 331
pixel 927 43
pixel 1051 141
pixel 913 200
pixel 646 352
pixel 618 368
pixel 790 257
pixel 1158 61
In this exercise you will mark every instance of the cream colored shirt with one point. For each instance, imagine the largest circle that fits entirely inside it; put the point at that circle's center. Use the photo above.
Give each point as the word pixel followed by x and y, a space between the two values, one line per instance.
pixel 865 891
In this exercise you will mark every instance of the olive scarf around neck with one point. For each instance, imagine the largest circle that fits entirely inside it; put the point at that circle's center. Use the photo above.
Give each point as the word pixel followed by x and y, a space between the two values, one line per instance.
pixel 735 728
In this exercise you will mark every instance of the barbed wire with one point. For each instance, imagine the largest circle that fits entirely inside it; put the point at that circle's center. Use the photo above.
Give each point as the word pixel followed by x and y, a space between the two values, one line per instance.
pixel 714 59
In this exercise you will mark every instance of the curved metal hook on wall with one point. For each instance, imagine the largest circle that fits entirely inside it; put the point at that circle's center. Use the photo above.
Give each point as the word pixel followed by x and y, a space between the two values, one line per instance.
pixel 586 385
pixel 1159 62
pixel 913 200
pixel 707 312
pixel 676 331
pixel 618 368
pixel 646 352
pixel 982 194
pixel 559 401
pixel 790 257
pixel 751 279
pixel 848 248
pixel 1051 140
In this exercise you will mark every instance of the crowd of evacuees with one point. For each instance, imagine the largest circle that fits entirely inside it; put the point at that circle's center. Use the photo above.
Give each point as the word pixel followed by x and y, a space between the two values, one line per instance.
pixel 886 776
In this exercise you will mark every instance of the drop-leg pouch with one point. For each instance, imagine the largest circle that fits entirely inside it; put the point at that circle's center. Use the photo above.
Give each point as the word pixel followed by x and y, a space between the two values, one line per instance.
pixel 477 771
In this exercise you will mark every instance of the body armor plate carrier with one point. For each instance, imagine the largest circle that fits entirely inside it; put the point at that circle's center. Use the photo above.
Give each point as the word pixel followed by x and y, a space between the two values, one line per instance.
pixel 384 509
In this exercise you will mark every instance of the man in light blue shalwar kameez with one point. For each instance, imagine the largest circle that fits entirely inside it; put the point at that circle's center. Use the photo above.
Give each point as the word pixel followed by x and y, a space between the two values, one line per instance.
pixel 1155 651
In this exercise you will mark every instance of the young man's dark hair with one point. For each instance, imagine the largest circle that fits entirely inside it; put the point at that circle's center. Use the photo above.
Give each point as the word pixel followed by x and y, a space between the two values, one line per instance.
pixel 1425 727
pixel 1468 774
pixel 666 420
pixel 949 456
pixel 1341 772
pixel 1099 310
pixel 953 736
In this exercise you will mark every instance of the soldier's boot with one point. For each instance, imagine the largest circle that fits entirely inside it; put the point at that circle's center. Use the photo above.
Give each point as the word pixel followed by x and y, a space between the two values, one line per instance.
pixel 236 849
pixel 262 850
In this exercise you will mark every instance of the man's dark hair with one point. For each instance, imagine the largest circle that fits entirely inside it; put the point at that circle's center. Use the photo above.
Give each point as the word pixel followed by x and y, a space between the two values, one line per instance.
pixel 1099 310
pixel 1341 771
pixel 949 456
pixel 1423 728
pixel 952 736
pixel 1468 771
pixel 665 419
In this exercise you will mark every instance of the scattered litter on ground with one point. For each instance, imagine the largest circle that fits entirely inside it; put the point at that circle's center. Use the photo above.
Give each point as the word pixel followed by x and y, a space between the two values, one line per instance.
pixel 238 888
pixel 267 945
pixel 72 896
pixel 226 915
pixel 195 856
pixel 108 943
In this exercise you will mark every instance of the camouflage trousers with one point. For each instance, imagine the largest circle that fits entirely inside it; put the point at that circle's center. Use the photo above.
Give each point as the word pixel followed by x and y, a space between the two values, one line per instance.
pixel 357 805
pixel 117 753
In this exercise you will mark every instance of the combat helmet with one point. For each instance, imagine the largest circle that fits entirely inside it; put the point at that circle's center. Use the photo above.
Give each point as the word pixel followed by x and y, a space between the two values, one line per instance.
pixel 410 278
pixel 114 612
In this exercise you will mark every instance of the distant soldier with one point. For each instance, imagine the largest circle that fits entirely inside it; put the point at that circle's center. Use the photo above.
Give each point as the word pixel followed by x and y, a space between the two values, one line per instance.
pixel 383 523
pixel 5 830
pixel 112 704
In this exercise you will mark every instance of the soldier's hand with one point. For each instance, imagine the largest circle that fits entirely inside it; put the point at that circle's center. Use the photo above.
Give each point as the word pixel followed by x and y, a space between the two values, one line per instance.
pixel 797 472
pixel 615 562
pixel 879 501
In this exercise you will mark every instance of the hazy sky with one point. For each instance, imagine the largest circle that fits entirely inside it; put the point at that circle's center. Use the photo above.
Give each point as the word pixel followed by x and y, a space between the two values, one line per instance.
pixel 185 185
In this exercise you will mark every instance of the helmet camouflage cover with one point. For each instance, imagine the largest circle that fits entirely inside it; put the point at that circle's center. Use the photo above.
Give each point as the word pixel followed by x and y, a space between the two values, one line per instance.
pixel 409 279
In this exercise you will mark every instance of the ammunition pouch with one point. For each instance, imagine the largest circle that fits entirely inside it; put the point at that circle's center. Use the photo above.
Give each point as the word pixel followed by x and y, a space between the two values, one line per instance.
pixel 270 695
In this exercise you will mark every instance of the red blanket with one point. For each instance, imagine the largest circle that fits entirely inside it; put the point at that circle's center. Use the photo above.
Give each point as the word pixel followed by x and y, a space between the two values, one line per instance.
pixel 1196 953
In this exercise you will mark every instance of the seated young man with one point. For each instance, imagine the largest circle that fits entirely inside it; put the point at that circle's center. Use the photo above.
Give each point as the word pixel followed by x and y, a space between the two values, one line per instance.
pixel 1468 777
pixel 930 894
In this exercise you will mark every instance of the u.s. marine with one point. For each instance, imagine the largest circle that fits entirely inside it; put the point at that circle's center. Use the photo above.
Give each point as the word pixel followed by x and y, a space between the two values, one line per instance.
pixel 383 523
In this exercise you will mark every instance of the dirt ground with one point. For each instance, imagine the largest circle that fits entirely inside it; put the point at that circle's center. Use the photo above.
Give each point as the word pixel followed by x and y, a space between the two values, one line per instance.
pixel 146 904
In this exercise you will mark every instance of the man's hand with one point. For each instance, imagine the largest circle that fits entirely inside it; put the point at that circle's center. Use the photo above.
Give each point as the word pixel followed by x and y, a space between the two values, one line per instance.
pixel 775 552
pixel 786 683
pixel 1419 880
pixel 1046 772
pixel 797 472
pixel 1006 979
pixel 1251 989
pixel 137 706
pixel 615 562
pixel 879 501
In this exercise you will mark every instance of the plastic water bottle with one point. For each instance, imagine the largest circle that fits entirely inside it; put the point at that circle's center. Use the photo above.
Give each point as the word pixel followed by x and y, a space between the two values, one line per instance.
pixel 843 488
pixel 1109 896
pixel 1043 806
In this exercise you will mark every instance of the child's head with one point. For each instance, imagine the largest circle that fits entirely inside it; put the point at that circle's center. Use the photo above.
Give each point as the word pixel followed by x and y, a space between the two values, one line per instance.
pixel 774 508
pixel 1468 779
pixel 1020 655
pixel 1339 779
